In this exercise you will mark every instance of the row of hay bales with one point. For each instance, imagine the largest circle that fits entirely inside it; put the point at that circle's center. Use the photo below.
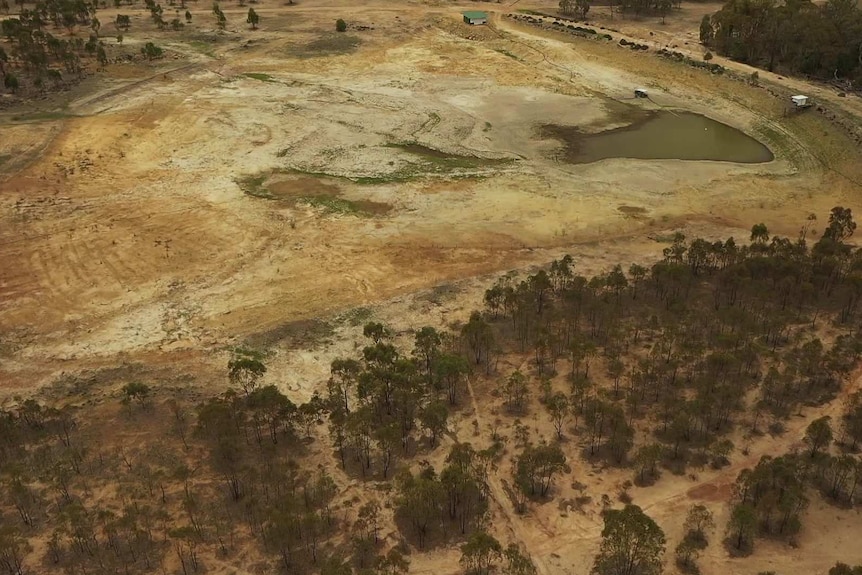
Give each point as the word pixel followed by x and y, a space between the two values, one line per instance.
pixel 633 45
pixel 561 26
pixel 680 57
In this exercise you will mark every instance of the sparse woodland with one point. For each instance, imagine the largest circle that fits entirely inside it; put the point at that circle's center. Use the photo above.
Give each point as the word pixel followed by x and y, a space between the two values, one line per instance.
pixel 651 368
pixel 53 43
pixel 47 45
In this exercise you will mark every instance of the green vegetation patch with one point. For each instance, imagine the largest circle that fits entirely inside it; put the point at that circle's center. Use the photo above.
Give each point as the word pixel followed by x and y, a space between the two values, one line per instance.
pixel 205 48
pixel 330 44
pixel 440 294
pixel 313 174
pixel 309 189
pixel 354 317
pixel 439 161
pixel 399 176
pixel 304 333
pixel 259 76
pixel 507 53
pixel 42 116
pixel 634 212
pixel 88 384
pixel 773 136
pixel 428 162
pixel 405 174
pixel 331 204
pixel 662 238
pixel 336 205
pixel 253 185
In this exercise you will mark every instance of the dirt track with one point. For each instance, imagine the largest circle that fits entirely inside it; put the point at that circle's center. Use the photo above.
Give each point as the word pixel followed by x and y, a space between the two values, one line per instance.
pixel 126 236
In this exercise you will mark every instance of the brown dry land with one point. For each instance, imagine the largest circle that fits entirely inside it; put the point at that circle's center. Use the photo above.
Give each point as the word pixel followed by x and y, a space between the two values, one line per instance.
pixel 280 186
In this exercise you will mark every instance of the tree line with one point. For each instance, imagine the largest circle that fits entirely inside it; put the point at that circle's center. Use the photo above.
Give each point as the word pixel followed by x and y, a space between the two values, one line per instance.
pixel 38 60
pixel 713 335
pixel 42 57
pixel 638 8
pixel 819 40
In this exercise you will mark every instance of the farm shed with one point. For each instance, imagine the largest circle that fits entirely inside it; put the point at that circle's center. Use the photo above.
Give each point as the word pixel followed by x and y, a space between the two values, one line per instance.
pixel 475 18
pixel 800 101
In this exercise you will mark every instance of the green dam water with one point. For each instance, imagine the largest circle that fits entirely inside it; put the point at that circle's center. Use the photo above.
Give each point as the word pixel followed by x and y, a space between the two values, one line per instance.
pixel 661 136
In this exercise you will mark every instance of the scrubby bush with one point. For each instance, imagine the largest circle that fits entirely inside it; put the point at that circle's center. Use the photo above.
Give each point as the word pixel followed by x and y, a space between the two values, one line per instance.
pixel 151 51
pixel 11 82
pixel 340 25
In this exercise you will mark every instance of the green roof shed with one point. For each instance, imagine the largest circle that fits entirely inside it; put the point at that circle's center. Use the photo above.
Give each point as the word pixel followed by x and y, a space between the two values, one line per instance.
pixel 475 17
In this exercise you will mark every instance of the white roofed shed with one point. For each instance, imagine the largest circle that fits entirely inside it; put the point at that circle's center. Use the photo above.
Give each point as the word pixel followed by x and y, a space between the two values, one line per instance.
pixel 800 101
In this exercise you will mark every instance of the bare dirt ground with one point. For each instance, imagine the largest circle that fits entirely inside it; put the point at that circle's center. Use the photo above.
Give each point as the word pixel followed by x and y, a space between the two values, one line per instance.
pixel 285 184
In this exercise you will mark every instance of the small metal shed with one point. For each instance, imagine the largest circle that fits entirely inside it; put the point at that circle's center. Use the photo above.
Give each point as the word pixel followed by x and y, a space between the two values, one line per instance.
pixel 800 101
pixel 475 18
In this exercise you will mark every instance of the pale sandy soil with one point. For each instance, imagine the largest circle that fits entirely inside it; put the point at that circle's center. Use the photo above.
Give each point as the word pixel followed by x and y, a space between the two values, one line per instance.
pixel 125 237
